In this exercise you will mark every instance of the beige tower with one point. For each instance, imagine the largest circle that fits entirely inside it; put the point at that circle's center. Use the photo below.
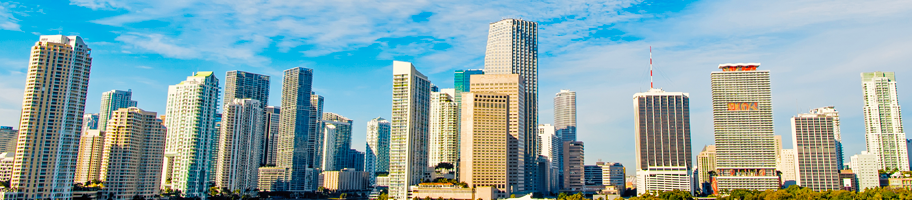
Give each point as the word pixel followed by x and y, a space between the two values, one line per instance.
pixel 88 162
pixel 484 140
pixel 510 84
pixel 131 164
pixel 51 118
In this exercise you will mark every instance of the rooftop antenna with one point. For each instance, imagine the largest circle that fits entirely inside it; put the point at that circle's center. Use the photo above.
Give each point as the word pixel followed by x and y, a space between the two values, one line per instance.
pixel 650 67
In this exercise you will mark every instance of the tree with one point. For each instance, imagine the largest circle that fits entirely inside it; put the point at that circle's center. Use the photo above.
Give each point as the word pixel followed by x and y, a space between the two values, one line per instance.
pixel 512 195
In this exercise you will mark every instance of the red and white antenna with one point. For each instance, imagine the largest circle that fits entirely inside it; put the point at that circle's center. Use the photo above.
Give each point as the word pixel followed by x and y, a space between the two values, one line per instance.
pixel 650 67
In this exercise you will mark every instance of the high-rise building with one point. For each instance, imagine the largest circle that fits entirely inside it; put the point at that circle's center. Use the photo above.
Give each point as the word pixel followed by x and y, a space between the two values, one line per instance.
pixel 376 158
pixel 814 141
pixel 883 120
pixel 295 129
pixel 131 164
pixel 329 151
pixel 512 48
pixel 88 161
pixel 409 129
pixel 112 101
pixel 706 163
pixel 785 164
pixel 865 166
pixel 315 139
pixel 550 150
pixel 8 139
pixel 511 84
pixel 565 114
pixel 246 85
pixel 662 141
pixel 191 124
pixel 51 118
pixel 443 146
pixel 484 141
pixel 89 122
pixel 342 141
pixel 574 180
pixel 743 121
pixel 239 145
pixel 354 159
pixel 270 135
pixel 462 82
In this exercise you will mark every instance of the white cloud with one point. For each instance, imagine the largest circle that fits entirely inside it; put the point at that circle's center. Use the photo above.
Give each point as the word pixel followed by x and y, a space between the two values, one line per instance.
pixel 7 20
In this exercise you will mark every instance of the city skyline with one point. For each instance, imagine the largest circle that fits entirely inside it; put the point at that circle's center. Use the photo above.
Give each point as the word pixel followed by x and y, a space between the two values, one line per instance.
pixel 601 124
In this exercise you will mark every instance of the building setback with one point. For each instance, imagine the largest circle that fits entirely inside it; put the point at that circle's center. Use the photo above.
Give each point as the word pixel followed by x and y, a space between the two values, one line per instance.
pixel 743 121
pixel 131 164
pixel 50 120
pixel 409 129
pixel 512 48
pixel 192 132
pixel 884 134
pixel 294 129
pixel 814 139
pixel 484 141
pixel 376 158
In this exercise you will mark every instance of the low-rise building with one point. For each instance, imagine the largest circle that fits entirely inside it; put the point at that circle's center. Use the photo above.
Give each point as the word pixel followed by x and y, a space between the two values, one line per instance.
pixel 451 191
pixel 848 180
pixel 270 177
pixel 6 165
pixel 345 180
pixel 901 180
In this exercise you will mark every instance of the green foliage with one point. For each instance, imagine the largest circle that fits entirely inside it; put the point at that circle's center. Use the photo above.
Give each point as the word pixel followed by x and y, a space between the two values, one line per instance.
pixel 512 195
pixel 790 193
pixel 577 196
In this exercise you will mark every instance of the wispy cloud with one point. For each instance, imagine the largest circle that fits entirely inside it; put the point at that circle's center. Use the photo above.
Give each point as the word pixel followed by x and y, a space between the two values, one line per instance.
pixel 7 20
pixel 144 67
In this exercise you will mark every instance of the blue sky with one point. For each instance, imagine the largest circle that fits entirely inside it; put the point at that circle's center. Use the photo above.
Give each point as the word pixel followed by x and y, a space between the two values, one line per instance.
pixel 814 49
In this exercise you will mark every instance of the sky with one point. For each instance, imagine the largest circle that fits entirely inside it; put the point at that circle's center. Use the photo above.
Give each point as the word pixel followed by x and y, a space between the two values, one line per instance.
pixel 814 49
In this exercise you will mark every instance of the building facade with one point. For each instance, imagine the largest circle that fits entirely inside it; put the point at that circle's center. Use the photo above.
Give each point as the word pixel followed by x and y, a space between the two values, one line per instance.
pixel 315 139
pixel 6 165
pixel 550 151
pixel 112 101
pixel 512 48
pixel 565 114
pixel 376 157
pixel 706 166
pixel 814 139
pixel 592 175
pixel 443 146
pixel 345 180
pixel 8 139
pixel 239 142
pixel 613 174
pixel 743 121
pixel 485 141
pixel 294 129
pixel 89 122
pixel 785 164
pixel 191 124
pixel 131 164
pixel 884 133
pixel 88 161
pixel 513 85
pixel 662 141
pixel 409 129
pixel 354 160
pixel 342 142
pixel 50 120
pixel 865 166
pixel 574 173
pixel 270 135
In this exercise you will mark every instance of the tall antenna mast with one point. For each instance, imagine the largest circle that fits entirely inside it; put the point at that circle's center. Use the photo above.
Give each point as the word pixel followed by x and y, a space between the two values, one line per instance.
pixel 650 67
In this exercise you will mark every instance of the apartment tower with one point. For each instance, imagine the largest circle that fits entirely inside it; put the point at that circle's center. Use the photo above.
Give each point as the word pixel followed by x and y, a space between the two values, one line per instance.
pixel 88 161
pixel 191 124
pixel 814 139
pixel 409 129
pixel 294 129
pixel 240 152
pixel 443 146
pixel 884 135
pixel 132 160
pixel 111 101
pixel 484 141
pixel 49 126
pixel 662 141
pixel 512 48
pixel 341 142
pixel 376 155
pixel 743 121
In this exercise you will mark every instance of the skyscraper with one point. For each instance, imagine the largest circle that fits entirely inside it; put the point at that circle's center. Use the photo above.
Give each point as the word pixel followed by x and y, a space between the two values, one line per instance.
pixel 409 128
pixel 511 84
pixel 565 114
pixel 512 48
pixel 354 159
pixel 239 152
pixel 485 141
pixel 550 149
pixel 884 135
pixel 743 121
pixel 342 142
pixel 89 122
pixel 574 173
pixel 191 124
pixel 328 158
pixel 462 82
pixel 294 129
pixel 315 139
pixel 110 102
pixel 443 146
pixel 662 141
pixel 814 139
pixel 706 162
pixel 376 155
pixel 270 135
pixel 51 119
pixel 132 160
pixel 246 85
pixel 88 161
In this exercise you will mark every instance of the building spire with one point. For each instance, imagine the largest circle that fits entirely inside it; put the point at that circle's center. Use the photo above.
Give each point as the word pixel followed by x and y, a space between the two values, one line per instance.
pixel 650 67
